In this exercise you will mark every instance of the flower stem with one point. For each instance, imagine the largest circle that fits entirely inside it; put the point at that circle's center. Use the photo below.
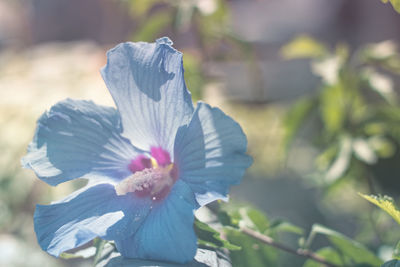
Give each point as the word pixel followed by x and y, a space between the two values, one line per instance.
pixel 299 252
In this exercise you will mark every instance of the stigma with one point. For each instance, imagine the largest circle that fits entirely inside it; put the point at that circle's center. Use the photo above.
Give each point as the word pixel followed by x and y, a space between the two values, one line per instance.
pixel 154 182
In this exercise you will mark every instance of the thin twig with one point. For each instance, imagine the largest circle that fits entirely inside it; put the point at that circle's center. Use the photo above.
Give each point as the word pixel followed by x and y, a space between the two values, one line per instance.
pixel 299 252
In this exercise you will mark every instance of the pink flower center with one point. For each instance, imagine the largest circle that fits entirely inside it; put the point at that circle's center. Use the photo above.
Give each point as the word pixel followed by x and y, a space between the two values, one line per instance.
pixel 151 177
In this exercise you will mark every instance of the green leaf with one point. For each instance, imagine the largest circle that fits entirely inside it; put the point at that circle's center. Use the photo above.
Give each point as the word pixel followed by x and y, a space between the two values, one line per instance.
pixel 396 252
pixel 380 51
pixel 380 83
pixel 259 220
pixel 328 69
pixel 391 263
pixel 104 249
pixel 395 4
pixel 363 151
pixel 353 251
pixel 209 237
pixel 342 161
pixel 83 253
pixel 99 245
pixel 385 203
pixel 383 54
pixel 227 220
pixel 333 107
pixel 329 254
pixel 279 226
pixel 383 147
pixel 326 157
pixel 388 117
pixel 295 118
pixel 253 252
pixel 303 47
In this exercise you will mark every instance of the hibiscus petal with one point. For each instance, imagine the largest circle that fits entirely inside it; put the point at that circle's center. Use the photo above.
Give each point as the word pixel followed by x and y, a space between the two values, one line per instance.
pixel 79 139
pixel 148 87
pixel 167 233
pixel 210 153
pixel 97 211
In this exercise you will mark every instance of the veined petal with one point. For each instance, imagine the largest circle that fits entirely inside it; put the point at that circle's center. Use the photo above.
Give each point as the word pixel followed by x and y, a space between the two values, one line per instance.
pixel 76 139
pixel 97 211
pixel 210 153
pixel 167 234
pixel 148 87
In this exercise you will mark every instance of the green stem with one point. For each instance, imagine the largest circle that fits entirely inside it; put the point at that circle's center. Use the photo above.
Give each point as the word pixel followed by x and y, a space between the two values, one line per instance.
pixel 299 252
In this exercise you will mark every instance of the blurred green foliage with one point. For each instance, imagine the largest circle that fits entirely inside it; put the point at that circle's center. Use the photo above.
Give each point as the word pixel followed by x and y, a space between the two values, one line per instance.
pixel 354 116
pixel 210 18
pixel 303 47
pixel 341 251
pixel 387 204
pixel 208 22
pixel 210 238
pixel 352 253
pixel 354 110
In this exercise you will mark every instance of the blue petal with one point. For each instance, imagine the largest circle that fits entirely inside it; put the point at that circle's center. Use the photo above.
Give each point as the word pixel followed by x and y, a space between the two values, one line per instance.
pixel 97 211
pixel 167 233
pixel 79 139
pixel 210 153
pixel 148 87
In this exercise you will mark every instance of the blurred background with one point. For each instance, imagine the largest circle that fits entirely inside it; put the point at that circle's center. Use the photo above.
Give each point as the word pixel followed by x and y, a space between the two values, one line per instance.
pixel 313 83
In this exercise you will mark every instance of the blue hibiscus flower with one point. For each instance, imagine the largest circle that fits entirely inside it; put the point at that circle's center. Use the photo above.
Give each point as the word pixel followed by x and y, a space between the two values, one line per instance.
pixel 150 163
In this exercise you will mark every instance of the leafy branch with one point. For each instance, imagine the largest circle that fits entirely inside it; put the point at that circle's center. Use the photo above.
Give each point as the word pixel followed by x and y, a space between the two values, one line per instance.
pixel 259 241
pixel 299 252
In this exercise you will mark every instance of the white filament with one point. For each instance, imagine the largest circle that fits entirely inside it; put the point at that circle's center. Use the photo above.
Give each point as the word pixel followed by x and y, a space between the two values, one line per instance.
pixel 154 178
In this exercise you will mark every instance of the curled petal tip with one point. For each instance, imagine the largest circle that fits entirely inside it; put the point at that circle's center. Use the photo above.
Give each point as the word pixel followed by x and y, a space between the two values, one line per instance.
pixel 164 40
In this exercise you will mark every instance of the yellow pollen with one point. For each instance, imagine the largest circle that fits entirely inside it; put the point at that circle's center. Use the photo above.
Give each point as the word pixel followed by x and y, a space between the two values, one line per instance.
pixel 154 162
pixel 155 179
